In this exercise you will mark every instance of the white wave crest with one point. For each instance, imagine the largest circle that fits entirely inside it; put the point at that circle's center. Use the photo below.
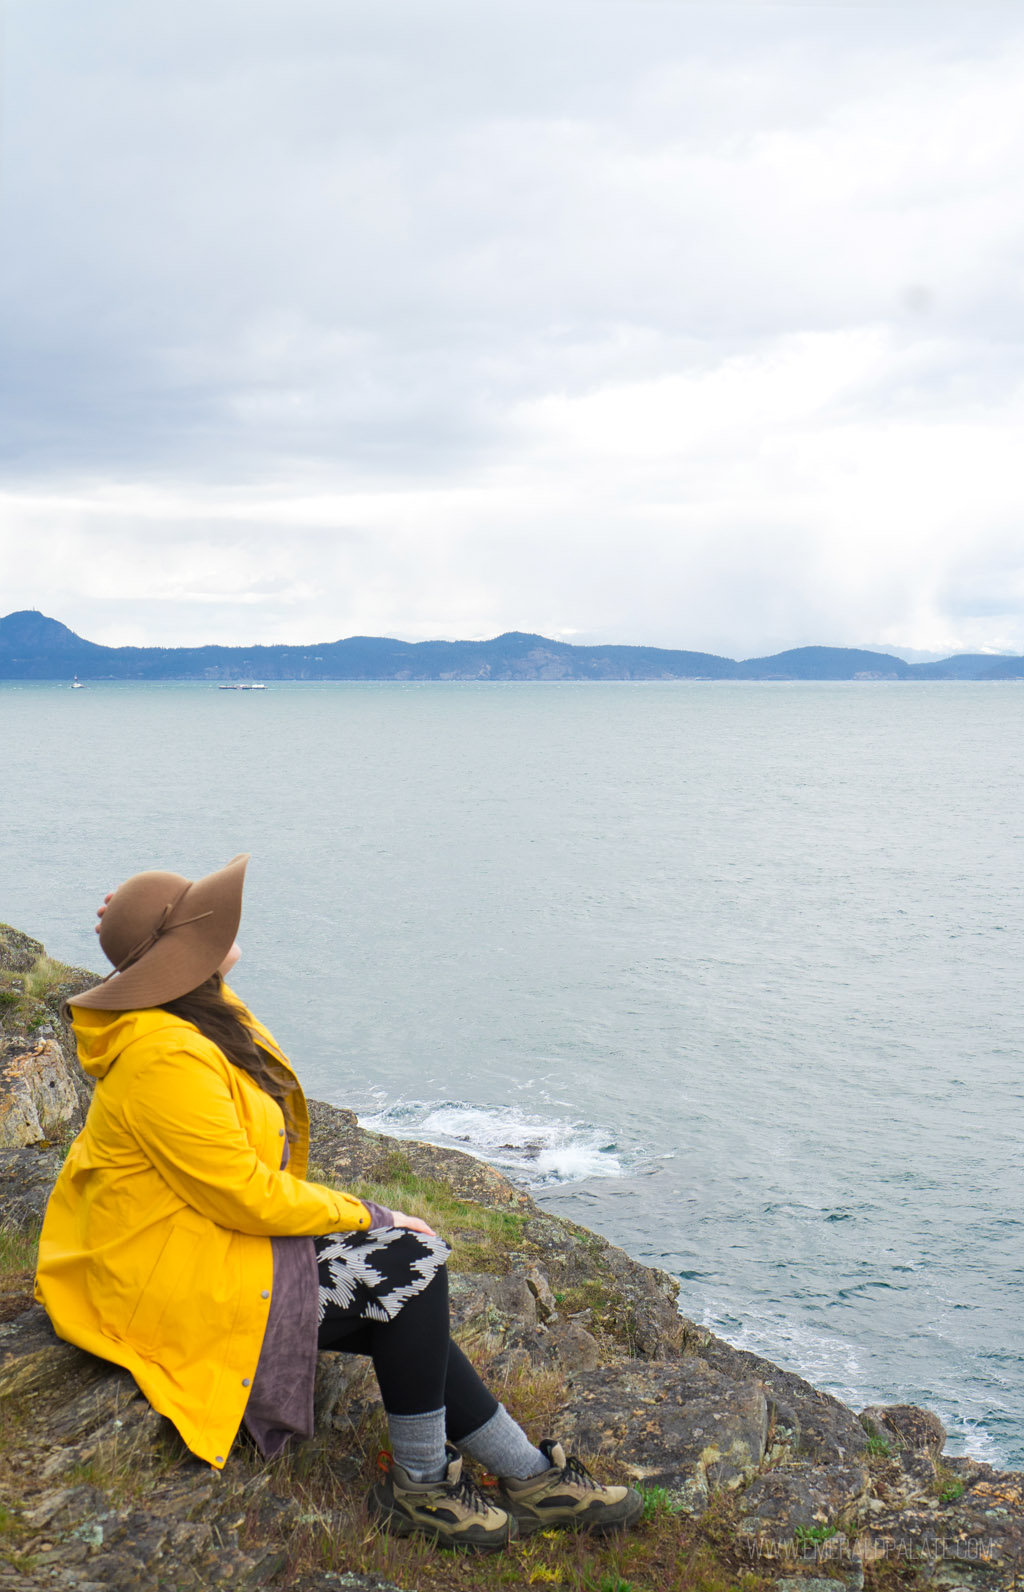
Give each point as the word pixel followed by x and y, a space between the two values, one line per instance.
pixel 534 1151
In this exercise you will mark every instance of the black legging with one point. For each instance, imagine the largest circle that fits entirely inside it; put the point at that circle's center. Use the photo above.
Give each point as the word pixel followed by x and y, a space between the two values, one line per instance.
pixel 418 1366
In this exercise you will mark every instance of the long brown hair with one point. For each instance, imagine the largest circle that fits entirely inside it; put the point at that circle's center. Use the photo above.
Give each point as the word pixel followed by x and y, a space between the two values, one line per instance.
pixel 216 1018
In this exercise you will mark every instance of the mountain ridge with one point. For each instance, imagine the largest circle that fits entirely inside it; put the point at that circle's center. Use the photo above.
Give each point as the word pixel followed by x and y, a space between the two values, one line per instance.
pixel 34 646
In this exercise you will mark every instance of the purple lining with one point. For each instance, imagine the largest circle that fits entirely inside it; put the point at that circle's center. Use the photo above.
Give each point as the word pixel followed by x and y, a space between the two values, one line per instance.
pixel 281 1400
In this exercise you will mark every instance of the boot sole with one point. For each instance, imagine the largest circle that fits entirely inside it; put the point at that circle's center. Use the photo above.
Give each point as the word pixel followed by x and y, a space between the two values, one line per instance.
pixel 595 1527
pixel 391 1519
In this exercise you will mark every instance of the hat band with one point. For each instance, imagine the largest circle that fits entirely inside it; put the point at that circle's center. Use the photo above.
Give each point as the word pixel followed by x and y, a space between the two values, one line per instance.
pixel 163 927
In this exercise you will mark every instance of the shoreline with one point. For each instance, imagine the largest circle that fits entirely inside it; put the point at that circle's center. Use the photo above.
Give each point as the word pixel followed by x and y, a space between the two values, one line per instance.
pixel 758 1474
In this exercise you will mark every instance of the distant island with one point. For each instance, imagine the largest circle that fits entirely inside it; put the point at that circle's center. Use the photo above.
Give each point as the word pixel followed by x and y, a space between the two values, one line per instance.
pixel 35 647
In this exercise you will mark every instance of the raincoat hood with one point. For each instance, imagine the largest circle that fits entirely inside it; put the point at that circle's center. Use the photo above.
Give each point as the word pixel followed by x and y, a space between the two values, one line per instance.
pixel 102 1036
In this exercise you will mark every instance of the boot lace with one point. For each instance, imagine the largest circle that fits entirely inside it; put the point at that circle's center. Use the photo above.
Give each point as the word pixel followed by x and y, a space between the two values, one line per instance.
pixel 576 1472
pixel 468 1494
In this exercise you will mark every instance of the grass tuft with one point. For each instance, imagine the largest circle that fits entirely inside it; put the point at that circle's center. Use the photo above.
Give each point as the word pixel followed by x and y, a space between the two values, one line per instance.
pixel 44 975
pixel 659 1501
pixel 948 1486
pixel 810 1536
pixel 19 1248
pixel 533 1396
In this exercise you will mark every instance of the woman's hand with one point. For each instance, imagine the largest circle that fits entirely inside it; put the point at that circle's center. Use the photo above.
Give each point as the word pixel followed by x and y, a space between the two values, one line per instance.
pixel 414 1223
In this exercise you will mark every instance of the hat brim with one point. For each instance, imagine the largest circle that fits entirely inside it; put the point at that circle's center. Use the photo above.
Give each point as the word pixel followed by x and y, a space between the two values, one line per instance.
pixel 184 957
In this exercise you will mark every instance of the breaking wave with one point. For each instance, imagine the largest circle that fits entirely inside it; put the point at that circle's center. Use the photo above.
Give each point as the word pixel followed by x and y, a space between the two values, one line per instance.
pixel 534 1151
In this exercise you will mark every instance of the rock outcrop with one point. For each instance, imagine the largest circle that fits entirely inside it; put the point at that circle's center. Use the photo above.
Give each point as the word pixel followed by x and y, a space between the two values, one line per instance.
pixel 38 1100
pixel 19 953
pixel 44 1094
pixel 780 1483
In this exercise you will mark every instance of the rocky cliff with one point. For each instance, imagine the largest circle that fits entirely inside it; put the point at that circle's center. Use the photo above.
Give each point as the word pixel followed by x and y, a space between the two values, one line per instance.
pixel 753 1479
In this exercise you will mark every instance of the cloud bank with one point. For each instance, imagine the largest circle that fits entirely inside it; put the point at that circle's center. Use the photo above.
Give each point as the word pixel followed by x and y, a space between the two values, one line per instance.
pixel 696 325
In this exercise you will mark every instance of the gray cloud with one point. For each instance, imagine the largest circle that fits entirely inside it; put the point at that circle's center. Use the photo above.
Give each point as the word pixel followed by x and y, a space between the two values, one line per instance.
pixel 671 322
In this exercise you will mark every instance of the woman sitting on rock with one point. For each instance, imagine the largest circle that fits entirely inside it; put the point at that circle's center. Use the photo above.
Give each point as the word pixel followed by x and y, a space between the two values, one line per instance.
pixel 183 1242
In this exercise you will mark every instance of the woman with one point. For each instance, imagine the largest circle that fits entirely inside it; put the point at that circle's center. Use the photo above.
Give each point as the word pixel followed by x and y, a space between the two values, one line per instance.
pixel 182 1242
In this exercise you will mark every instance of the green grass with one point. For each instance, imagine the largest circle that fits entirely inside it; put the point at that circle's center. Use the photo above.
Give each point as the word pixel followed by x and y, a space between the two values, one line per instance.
pixel 948 1486
pixel 25 1563
pixel 879 1446
pixel 21 1009
pixel 126 1465
pixel 19 1248
pixel 480 1237
pixel 659 1501
pixel 808 1536
pixel 590 1295
pixel 44 975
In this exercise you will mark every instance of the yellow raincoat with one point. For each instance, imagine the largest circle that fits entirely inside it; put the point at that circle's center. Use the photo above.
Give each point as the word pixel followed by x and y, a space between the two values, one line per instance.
pixel 155 1251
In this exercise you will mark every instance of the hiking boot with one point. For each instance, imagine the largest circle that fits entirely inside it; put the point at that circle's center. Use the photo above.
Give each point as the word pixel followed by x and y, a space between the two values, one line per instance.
pixel 568 1495
pixel 452 1511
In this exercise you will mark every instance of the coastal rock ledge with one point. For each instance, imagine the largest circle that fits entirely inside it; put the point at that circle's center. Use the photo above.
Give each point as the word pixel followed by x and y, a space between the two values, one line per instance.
pixel 753 1478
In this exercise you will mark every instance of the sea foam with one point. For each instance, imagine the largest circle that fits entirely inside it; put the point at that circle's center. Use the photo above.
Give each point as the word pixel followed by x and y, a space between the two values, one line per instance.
pixel 536 1151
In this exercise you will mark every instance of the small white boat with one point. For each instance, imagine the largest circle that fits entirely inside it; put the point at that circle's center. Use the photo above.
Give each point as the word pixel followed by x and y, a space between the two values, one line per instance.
pixel 76 684
pixel 240 685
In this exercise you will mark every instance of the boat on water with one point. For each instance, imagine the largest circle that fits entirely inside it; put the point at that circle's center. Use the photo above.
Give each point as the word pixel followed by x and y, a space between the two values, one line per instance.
pixel 76 684
pixel 241 685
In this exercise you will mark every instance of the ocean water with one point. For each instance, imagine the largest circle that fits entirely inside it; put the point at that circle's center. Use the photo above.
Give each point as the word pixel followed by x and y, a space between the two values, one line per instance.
pixel 730 972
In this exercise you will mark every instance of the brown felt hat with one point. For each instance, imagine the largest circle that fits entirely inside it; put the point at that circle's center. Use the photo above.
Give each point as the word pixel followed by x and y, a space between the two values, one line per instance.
pixel 165 934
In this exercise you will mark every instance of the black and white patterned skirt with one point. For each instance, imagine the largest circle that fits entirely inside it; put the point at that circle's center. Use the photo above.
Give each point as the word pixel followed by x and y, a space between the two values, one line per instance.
pixel 370 1276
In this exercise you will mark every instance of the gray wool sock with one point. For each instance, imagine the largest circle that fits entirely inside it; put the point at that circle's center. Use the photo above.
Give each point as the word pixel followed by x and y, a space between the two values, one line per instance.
pixel 417 1444
pixel 503 1448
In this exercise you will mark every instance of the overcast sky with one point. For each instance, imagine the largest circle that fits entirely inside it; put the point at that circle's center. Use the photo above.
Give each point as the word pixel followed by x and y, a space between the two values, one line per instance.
pixel 691 324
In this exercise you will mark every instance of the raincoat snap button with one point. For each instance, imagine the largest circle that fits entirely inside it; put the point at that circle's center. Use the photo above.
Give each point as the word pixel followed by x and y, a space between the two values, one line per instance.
pixel 220 1459
pixel 280 1133
pixel 265 1294
pixel 245 1381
